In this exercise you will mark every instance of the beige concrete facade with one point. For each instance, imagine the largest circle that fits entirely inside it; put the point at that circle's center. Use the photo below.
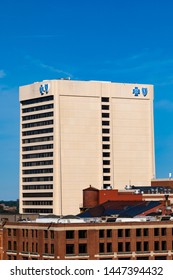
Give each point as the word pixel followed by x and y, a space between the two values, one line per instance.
pixel 75 134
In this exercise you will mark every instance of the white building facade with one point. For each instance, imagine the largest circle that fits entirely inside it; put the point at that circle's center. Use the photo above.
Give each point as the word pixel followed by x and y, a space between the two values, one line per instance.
pixel 79 133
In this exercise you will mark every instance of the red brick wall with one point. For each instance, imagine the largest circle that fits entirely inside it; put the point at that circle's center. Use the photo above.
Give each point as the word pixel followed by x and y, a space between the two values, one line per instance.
pixel 1 244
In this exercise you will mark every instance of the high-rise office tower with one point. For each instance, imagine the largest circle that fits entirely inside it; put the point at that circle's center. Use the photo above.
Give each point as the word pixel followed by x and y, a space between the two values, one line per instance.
pixel 75 134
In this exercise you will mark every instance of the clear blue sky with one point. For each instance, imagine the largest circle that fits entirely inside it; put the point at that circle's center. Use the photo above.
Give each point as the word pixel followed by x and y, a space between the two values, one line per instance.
pixel 114 40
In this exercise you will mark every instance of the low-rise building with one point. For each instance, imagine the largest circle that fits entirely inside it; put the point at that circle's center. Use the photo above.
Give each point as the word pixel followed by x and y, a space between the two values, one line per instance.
pixel 136 239
pixel 1 242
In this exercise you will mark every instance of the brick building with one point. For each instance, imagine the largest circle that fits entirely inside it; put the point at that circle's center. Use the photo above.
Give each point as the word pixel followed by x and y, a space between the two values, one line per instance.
pixel 128 239
pixel 1 242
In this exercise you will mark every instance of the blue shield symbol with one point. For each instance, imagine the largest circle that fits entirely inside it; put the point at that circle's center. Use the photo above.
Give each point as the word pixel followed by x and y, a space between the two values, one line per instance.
pixel 46 86
pixel 144 91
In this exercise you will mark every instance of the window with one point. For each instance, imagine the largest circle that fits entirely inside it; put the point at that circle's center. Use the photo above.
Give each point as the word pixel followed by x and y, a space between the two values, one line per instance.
pixel 37 171
pixel 52 248
pixel 101 233
pixel 138 246
pixel 146 246
pixel 109 233
pixel 109 247
pixel 38 131
pixel 37 116
pixel 106 154
pixel 105 107
pixel 9 232
pixel 82 234
pixel 106 146
pixel 156 232
pixel 9 245
pixel 105 139
pixel 105 115
pixel 70 234
pixel 163 231
pixel 106 185
pixel 138 232
pixel 52 234
pixel 127 232
pixel 37 108
pixel 46 248
pixel 38 139
pixel 106 178
pixel 127 246
pixel 105 130
pixel 14 246
pixel 120 232
pixel 106 170
pixel 82 248
pixel 145 231
pixel 164 245
pixel 37 179
pixel 27 246
pixel 38 194
pixel 156 245
pixel 37 187
pixel 14 232
pixel 36 163
pixel 38 210
pixel 69 249
pixel 105 123
pixel 106 162
pixel 40 155
pixel 120 246
pixel 105 99
pixel 37 100
pixel 35 124
pixel 45 234
pixel 23 246
pixel 101 248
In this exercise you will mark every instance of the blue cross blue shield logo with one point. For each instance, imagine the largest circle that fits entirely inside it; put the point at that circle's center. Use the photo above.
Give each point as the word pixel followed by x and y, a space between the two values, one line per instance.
pixel 144 91
pixel 136 91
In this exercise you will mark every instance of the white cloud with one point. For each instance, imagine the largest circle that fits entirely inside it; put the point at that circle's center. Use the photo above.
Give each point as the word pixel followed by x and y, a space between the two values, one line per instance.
pixel 2 73
pixel 50 68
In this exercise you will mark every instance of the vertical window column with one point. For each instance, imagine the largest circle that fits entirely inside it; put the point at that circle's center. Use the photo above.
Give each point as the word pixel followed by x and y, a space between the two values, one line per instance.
pixel 106 143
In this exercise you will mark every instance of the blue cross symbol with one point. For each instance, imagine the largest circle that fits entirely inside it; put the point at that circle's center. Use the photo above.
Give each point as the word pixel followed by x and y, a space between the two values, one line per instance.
pixel 136 91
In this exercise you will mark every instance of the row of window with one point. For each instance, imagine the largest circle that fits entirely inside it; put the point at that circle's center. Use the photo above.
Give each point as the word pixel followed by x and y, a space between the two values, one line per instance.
pixel 36 194
pixel 106 138
pixel 37 116
pixel 39 155
pixel 37 100
pixel 38 202
pixel 38 171
pixel 38 139
pixel 82 234
pixel 38 187
pixel 35 124
pixel 38 131
pixel 37 211
pixel 38 147
pixel 37 108
pixel 121 232
pixel 38 179
pixel 37 163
